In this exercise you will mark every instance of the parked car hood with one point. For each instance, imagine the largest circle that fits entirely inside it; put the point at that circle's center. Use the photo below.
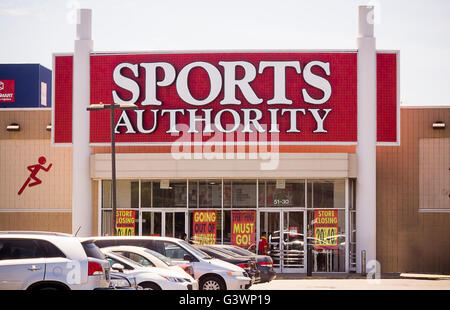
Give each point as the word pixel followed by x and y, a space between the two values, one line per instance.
pixel 222 264
pixel 167 272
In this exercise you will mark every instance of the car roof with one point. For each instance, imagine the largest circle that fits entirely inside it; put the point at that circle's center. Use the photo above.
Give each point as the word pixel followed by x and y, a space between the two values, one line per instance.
pixel 132 238
pixel 124 247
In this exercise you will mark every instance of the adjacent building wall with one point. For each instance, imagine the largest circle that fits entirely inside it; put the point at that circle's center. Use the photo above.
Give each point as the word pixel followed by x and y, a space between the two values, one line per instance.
pixel 46 206
pixel 409 239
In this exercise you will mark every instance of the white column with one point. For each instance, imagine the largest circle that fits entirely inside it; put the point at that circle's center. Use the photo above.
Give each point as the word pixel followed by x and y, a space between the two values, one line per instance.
pixel 81 188
pixel 367 137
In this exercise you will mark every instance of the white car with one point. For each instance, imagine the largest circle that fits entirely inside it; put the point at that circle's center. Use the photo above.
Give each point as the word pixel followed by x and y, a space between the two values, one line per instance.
pixel 211 273
pixel 149 277
pixel 152 259
pixel 50 261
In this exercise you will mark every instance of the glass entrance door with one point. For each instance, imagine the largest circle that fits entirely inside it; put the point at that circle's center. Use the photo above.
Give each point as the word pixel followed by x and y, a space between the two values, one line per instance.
pixel 175 224
pixel 163 223
pixel 292 242
pixel 286 245
pixel 269 223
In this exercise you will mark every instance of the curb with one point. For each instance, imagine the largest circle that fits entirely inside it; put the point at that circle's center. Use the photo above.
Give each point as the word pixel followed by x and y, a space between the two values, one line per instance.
pixel 419 276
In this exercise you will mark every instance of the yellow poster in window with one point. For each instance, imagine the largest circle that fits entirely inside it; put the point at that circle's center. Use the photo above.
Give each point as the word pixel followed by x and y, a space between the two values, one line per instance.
pixel 126 222
pixel 204 227
pixel 326 229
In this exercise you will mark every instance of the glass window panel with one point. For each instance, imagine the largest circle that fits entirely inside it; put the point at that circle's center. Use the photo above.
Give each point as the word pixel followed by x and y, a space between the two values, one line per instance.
pixel 227 227
pixel 146 194
pixel 352 195
pixel 172 197
pixel 106 194
pixel 106 223
pixel 227 194
pixel 169 224
pixel 289 194
pixel 262 184
pixel 205 194
pixel 219 227
pixel 244 194
pixel 193 194
pixel 179 224
pixel 127 194
pixel 326 194
pixel 151 223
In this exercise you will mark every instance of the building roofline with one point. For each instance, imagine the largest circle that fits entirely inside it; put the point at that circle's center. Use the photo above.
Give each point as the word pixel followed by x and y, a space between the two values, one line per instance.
pixel 425 106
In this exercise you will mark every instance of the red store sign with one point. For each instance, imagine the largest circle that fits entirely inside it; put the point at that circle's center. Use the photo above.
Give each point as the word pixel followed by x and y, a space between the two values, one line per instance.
pixel 7 91
pixel 302 98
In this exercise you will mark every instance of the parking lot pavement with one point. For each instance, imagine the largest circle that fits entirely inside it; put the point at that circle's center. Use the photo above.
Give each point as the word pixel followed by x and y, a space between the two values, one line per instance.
pixel 354 284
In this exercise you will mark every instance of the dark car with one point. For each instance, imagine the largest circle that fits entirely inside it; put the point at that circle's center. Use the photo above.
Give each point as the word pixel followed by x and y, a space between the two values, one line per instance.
pixel 264 263
pixel 245 262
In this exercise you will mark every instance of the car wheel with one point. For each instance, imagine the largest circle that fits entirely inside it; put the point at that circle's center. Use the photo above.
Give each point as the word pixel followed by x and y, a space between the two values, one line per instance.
pixel 212 283
pixel 150 286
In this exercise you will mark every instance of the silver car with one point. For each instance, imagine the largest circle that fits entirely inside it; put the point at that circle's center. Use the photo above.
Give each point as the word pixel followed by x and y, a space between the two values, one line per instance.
pixel 50 261
pixel 211 273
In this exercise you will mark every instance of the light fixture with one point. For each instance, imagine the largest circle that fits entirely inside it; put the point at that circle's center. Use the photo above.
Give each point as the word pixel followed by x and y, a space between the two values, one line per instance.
pixel 48 127
pixel 439 125
pixel 112 107
pixel 13 127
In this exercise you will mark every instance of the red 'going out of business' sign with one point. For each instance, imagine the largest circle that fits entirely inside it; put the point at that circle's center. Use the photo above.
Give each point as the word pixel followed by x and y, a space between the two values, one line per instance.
pixel 303 98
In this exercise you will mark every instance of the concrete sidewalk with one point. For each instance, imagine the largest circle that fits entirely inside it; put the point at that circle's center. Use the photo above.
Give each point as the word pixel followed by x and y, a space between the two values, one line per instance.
pixel 353 284
pixel 321 275
pixel 318 276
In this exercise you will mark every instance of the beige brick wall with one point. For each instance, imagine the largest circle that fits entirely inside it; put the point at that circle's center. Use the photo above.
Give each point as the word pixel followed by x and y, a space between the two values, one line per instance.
pixel 47 206
pixel 55 191
pixel 37 221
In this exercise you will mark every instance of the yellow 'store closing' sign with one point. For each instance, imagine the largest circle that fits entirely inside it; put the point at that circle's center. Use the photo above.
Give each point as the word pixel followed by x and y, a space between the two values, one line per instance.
pixel 325 229
pixel 125 221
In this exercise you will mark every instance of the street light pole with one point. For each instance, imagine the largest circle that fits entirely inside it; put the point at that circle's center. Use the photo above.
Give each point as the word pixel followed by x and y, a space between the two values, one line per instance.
pixel 113 170
pixel 112 107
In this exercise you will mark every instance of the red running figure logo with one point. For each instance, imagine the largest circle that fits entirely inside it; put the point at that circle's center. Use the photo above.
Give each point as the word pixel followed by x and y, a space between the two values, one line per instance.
pixel 34 169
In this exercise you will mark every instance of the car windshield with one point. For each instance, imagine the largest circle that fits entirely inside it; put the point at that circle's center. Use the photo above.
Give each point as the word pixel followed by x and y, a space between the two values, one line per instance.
pixel 117 258
pixel 222 252
pixel 240 251
pixel 200 254
pixel 161 257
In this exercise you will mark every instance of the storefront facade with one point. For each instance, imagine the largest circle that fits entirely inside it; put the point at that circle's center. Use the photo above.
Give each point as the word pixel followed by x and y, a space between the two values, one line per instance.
pixel 288 209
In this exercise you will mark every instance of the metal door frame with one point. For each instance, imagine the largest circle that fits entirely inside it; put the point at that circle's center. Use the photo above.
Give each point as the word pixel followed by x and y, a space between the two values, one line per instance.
pixel 281 212
pixel 163 212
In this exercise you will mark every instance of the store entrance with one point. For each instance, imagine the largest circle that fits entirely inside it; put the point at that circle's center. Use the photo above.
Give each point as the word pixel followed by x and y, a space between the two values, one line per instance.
pixel 163 223
pixel 285 231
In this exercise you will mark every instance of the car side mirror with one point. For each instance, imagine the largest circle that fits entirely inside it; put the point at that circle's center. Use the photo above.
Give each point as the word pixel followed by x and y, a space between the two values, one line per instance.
pixel 118 267
pixel 188 258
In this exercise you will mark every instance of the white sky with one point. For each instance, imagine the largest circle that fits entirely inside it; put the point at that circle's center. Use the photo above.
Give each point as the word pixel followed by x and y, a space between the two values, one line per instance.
pixel 31 30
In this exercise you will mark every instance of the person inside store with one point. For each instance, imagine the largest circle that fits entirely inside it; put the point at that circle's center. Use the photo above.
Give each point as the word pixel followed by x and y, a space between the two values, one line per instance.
pixel 262 244
pixel 184 237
